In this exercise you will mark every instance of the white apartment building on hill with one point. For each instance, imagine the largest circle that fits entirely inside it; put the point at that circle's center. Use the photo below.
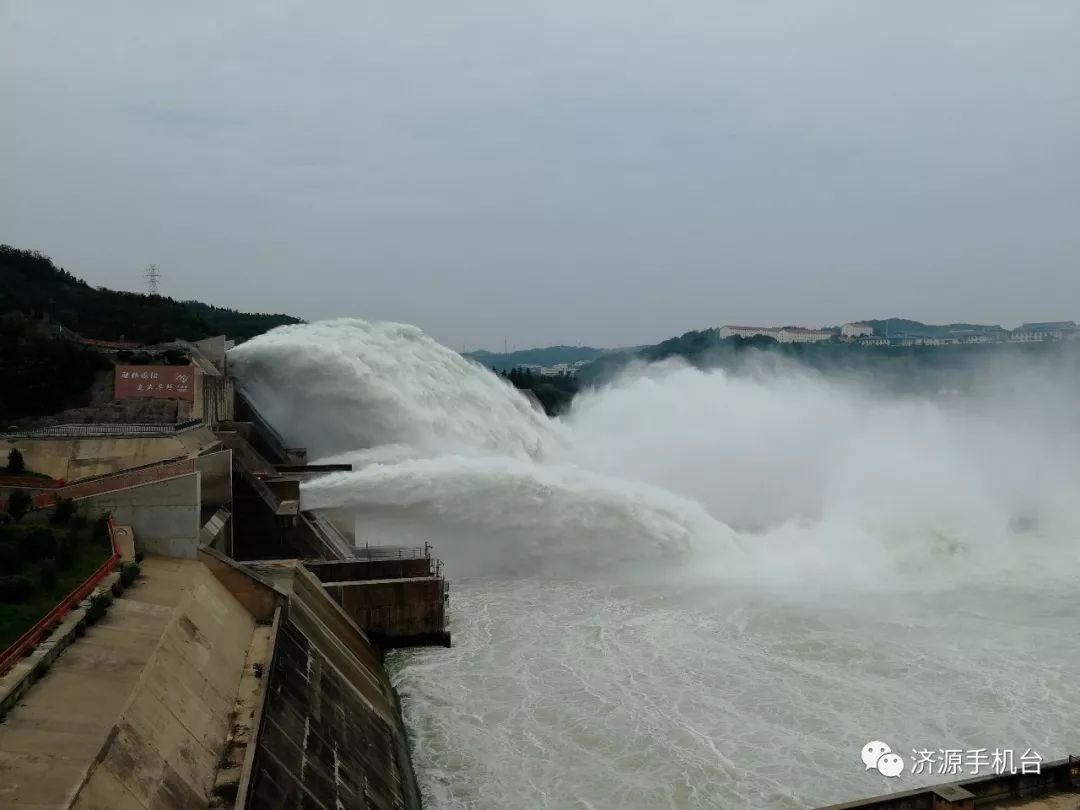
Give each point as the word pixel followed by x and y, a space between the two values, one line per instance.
pixel 797 334
pixel 782 334
pixel 749 331
pixel 1047 330
pixel 856 330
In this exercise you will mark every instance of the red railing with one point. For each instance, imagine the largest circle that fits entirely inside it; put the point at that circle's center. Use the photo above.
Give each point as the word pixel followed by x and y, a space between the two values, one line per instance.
pixel 29 482
pixel 111 482
pixel 34 634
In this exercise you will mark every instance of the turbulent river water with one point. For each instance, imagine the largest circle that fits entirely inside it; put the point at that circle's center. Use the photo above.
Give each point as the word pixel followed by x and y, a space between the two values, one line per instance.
pixel 702 589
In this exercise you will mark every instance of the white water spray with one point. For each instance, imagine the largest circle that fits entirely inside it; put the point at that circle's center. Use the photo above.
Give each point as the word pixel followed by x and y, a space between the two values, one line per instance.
pixel 824 480
pixel 348 385
pixel 837 566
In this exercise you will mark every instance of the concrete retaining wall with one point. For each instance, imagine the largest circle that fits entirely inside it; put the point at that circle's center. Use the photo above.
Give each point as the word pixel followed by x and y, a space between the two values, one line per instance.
pixel 76 458
pixel 166 745
pixel 331 733
pixel 395 611
pixel 164 516
pixel 216 469
pixel 217 399
pixel 257 595
pixel 356 570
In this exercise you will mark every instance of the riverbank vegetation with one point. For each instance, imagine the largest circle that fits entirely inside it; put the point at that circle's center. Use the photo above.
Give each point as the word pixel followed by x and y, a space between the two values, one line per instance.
pixel 42 560
pixel 554 392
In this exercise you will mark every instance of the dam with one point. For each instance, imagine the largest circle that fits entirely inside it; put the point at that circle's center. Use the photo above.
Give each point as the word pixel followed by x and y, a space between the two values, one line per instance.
pixel 614 643
pixel 243 667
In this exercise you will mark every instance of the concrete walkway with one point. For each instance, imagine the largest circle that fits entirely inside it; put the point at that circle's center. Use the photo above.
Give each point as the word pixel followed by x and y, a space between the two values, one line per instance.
pixel 49 740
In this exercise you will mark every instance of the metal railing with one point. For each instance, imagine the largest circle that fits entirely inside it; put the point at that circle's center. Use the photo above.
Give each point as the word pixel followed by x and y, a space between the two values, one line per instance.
pixel 103 429
pixel 111 482
pixel 367 552
pixel 341 549
pixel 137 468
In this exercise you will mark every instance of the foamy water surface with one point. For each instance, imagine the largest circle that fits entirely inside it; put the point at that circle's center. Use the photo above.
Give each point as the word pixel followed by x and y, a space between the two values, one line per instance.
pixel 702 589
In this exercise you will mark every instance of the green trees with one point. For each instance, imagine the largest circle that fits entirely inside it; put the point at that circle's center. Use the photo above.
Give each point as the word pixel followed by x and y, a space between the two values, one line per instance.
pixel 40 564
pixel 42 373
pixel 32 284
pixel 16 587
pixel 174 357
pixel 49 574
pixel 100 530
pixel 99 605
pixel 19 504
pixel 39 543
pixel 553 392
pixel 15 463
pixel 66 549
pixel 128 572
pixel 62 512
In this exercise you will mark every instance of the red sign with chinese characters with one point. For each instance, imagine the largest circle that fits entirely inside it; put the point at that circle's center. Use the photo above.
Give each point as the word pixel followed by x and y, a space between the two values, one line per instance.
pixel 155 382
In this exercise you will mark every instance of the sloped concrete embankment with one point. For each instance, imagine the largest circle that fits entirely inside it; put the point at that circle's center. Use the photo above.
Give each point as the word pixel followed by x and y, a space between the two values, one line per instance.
pixel 331 733
pixel 166 745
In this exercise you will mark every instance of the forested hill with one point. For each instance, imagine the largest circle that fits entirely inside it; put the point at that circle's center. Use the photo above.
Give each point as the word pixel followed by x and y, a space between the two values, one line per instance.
pixel 893 326
pixel 31 284
pixel 547 356
pixel 892 368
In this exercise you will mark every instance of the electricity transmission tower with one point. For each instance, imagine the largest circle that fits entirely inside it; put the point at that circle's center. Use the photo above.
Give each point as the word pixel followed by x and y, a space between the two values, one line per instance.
pixel 153 277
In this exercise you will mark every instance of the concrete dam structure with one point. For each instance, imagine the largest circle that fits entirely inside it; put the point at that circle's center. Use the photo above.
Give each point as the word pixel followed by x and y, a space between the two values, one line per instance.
pixel 244 667
pixel 210 687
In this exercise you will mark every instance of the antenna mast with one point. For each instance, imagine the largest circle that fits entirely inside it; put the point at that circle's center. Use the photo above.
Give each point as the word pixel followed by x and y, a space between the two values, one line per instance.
pixel 153 277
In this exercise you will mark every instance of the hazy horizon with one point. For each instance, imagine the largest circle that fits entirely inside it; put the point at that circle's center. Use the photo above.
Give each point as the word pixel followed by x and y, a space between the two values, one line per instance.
pixel 607 175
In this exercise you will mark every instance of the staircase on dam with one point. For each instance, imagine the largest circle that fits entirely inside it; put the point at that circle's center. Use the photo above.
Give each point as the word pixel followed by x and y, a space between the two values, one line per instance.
pixel 207 685
pixel 135 713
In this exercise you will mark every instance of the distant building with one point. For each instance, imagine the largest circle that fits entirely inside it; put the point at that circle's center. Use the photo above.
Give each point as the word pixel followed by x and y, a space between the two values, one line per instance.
pixel 783 334
pixel 750 331
pixel 558 370
pixel 856 330
pixel 797 334
pixel 912 338
pixel 1047 330
pixel 872 340
pixel 985 335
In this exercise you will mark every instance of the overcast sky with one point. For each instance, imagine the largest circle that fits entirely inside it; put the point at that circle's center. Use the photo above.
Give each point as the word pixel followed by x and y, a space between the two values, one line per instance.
pixel 609 172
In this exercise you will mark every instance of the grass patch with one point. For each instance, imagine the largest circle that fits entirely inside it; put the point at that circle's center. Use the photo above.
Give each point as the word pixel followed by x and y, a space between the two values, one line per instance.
pixel 16 619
